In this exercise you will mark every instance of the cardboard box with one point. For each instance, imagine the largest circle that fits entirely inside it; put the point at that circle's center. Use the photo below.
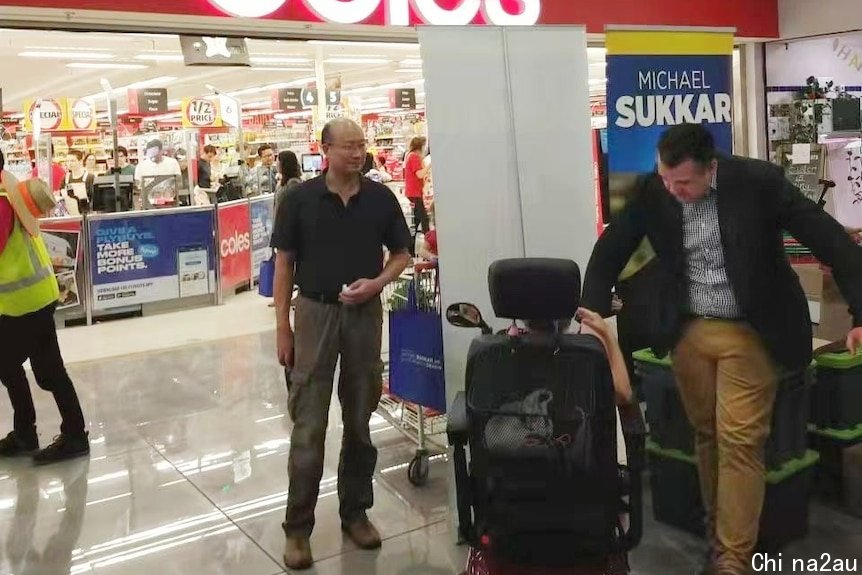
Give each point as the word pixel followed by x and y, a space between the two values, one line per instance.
pixel 819 286
pixel 811 278
pixel 835 318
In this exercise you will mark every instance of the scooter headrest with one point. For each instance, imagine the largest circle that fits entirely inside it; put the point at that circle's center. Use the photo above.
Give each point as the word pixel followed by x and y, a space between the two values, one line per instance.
pixel 535 288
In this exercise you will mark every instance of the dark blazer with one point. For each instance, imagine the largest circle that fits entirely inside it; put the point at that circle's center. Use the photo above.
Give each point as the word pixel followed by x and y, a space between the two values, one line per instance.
pixel 755 204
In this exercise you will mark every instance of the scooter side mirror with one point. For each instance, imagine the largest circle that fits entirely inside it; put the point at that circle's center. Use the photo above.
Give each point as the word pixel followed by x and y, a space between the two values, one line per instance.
pixel 466 315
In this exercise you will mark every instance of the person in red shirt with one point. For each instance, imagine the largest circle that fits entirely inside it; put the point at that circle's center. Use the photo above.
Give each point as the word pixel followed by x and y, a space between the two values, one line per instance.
pixel 429 246
pixel 58 176
pixel 415 174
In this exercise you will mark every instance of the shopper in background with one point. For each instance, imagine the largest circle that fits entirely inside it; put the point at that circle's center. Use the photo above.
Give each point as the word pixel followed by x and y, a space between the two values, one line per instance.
pixel 79 183
pixel 28 297
pixel 369 164
pixel 372 170
pixel 290 175
pixel 262 179
pixel 415 175
pixel 126 168
pixel 428 250
pixel 58 176
pixel 733 310
pixel 330 233
pixel 156 163
pixel 90 164
pixel 208 154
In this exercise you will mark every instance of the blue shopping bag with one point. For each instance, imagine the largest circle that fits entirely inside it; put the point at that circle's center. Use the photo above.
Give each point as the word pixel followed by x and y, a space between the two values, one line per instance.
pixel 267 278
pixel 416 356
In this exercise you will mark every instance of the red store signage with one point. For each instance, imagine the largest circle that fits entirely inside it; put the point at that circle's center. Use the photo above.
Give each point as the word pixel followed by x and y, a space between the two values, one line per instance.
pixel 234 244
pixel 758 19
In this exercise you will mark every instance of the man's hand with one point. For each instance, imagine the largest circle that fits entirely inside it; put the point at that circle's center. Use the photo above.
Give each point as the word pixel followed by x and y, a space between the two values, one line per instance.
pixel 284 344
pixel 854 340
pixel 360 292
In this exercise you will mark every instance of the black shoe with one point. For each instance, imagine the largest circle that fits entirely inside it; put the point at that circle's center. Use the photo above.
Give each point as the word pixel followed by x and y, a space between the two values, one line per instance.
pixel 65 447
pixel 14 446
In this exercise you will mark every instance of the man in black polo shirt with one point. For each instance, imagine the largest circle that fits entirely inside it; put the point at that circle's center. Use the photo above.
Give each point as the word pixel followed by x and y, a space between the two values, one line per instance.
pixel 330 233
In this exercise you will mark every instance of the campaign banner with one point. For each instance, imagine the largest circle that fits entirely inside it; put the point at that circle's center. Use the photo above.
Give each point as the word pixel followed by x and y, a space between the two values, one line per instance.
pixel 63 239
pixel 658 79
pixel 156 257
pixel 234 229
pixel 262 222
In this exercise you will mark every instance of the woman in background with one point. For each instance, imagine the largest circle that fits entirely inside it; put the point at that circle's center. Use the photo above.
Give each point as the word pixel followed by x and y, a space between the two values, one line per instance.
pixel 289 176
pixel 289 173
pixel 415 174
pixel 90 164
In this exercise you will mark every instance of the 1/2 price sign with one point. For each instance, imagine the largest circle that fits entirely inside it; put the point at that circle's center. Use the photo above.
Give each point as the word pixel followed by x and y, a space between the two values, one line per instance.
pixel 201 113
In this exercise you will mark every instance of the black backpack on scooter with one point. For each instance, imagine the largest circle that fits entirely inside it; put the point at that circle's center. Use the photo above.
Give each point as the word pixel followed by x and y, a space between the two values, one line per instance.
pixel 542 486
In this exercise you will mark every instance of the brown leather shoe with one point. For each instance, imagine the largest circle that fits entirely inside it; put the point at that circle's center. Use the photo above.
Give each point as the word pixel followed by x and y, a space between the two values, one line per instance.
pixel 363 533
pixel 297 553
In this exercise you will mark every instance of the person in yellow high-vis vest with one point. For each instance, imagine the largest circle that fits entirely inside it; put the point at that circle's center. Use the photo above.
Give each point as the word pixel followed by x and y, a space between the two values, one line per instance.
pixel 28 298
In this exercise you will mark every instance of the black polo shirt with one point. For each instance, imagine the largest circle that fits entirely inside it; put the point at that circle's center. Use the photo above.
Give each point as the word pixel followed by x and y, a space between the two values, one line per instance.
pixel 337 244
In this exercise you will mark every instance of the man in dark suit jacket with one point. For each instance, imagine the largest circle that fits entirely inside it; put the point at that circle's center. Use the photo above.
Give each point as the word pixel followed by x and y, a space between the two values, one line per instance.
pixel 733 310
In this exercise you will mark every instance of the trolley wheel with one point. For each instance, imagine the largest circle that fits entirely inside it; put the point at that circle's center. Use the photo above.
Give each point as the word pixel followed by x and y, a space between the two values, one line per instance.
pixel 418 470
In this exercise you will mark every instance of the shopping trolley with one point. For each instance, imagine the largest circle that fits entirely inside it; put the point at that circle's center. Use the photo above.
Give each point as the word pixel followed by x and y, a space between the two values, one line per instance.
pixel 414 392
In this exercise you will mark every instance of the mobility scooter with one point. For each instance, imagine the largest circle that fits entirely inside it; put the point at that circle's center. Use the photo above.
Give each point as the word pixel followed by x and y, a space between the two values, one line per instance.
pixel 540 489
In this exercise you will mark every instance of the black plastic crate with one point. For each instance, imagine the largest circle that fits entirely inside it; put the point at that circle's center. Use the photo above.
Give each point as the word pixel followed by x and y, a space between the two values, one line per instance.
pixel 830 476
pixel 676 499
pixel 665 414
pixel 836 399
pixel 669 426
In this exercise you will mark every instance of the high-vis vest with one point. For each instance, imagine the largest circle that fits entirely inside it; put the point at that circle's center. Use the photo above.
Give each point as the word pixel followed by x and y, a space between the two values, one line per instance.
pixel 27 282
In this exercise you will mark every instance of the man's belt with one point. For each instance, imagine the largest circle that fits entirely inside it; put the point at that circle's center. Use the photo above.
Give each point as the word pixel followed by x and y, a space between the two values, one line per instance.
pixel 327 298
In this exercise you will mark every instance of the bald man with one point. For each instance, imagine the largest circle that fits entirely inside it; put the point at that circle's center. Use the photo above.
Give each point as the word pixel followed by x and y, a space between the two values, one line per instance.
pixel 329 235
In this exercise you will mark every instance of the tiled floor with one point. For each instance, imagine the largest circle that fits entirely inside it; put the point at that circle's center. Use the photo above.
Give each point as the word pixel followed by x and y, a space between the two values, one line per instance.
pixel 188 475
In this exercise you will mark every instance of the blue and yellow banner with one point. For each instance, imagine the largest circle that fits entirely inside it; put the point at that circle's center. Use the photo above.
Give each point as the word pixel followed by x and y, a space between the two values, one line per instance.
pixel 658 79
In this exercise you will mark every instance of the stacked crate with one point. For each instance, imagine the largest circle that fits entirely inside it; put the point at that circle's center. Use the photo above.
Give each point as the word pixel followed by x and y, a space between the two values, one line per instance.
pixel 673 469
pixel 836 428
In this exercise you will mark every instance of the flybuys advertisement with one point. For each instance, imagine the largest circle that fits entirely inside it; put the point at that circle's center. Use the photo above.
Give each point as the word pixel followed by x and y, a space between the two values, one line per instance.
pixel 660 79
pixel 151 258
pixel 262 221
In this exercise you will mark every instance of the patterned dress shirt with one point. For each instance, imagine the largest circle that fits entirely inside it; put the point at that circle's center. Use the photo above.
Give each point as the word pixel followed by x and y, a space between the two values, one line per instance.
pixel 710 293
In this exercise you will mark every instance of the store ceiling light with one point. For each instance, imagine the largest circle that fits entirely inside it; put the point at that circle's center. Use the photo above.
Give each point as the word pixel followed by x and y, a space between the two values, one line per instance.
pixel 278 60
pixel 265 69
pixel 411 62
pixel 159 82
pixel 338 60
pixel 160 57
pixel 277 86
pixel 401 45
pixel 105 66
pixel 67 55
pixel 408 71
pixel 288 115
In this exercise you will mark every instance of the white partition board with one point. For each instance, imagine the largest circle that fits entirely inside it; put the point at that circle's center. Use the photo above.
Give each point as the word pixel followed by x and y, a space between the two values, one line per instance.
pixel 477 207
pixel 509 125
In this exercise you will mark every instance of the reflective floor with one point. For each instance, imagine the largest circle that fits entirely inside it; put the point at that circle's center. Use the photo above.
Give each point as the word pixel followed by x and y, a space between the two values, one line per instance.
pixel 188 475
